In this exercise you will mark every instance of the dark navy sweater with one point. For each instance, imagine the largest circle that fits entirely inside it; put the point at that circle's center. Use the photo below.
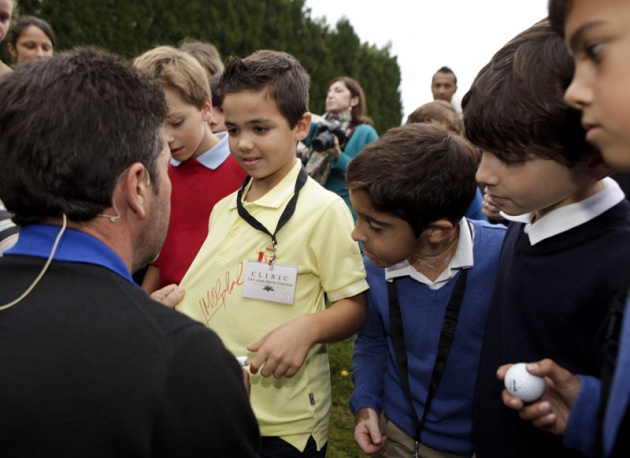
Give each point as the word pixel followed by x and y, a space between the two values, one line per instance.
pixel 551 301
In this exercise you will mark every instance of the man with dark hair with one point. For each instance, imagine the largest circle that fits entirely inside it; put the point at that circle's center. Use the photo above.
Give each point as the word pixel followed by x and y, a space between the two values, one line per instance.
pixel 444 84
pixel 91 366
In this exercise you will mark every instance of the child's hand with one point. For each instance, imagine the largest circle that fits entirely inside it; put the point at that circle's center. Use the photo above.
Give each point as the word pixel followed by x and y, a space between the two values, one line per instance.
pixel 282 351
pixel 551 412
pixel 367 434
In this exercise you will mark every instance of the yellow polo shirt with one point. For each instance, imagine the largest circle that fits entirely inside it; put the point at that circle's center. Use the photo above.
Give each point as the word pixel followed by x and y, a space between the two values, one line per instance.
pixel 317 241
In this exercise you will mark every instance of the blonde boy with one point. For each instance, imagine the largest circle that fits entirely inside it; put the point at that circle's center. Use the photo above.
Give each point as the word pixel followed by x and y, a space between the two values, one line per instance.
pixel 202 170
pixel 276 251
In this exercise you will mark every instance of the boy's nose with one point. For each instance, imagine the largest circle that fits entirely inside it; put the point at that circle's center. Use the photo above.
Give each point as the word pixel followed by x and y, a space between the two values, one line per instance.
pixel 245 145
pixel 168 136
pixel 484 173
pixel 357 235
pixel 579 94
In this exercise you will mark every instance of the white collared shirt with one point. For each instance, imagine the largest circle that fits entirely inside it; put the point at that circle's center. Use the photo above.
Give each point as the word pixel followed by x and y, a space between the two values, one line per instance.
pixel 463 259
pixel 215 156
pixel 564 218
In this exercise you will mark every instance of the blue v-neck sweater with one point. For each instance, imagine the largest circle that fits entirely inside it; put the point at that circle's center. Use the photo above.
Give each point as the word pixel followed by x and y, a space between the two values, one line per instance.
pixel 376 375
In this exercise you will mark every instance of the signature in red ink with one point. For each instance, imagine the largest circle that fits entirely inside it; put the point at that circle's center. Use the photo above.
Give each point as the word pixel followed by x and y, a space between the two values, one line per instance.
pixel 217 295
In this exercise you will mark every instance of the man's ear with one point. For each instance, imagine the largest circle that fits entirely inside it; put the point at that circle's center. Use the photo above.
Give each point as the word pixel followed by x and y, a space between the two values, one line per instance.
pixel 303 127
pixel 135 186
pixel 439 230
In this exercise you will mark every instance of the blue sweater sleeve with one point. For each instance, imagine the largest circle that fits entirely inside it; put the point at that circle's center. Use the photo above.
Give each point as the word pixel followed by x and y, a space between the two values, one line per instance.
pixel 368 360
pixel 580 431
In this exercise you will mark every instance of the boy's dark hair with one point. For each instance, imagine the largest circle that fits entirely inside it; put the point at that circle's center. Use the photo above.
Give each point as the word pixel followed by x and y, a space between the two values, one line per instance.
pixel 26 21
pixel 445 69
pixel 558 11
pixel 71 125
pixel 419 173
pixel 515 107
pixel 277 73
pixel 217 100
pixel 437 111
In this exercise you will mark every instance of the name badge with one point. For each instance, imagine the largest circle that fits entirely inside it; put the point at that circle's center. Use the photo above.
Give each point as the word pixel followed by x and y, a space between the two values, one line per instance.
pixel 270 283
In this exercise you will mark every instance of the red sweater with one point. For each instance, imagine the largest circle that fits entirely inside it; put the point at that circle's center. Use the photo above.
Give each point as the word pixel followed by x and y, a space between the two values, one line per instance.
pixel 196 189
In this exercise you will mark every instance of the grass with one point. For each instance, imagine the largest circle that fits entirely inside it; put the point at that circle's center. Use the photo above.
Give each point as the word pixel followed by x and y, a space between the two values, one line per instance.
pixel 341 435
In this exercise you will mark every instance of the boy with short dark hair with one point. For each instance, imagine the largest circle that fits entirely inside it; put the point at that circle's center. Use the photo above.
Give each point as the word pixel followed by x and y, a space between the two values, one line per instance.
pixel 202 170
pixel 276 252
pixel 566 243
pixel 593 413
pixel 410 190
pixel 444 115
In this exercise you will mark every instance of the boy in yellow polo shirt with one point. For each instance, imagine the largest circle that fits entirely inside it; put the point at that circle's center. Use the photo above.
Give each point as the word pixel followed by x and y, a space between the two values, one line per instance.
pixel 277 251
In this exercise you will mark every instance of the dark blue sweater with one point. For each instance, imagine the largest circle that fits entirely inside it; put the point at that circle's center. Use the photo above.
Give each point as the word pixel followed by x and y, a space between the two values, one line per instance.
pixel 551 301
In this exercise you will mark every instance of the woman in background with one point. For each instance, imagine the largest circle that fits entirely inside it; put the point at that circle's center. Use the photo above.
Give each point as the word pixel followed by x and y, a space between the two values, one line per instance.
pixel 341 134
pixel 31 38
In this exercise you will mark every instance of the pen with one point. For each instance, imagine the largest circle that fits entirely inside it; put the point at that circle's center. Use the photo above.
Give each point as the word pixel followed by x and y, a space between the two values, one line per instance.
pixel 243 360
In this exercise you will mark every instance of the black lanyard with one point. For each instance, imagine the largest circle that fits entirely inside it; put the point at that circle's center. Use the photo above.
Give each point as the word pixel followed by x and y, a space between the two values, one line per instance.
pixel 286 214
pixel 447 335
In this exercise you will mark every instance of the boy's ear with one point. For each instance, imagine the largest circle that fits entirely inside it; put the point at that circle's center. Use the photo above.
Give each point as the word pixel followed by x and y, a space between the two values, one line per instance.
pixel 597 168
pixel 439 230
pixel 206 110
pixel 303 127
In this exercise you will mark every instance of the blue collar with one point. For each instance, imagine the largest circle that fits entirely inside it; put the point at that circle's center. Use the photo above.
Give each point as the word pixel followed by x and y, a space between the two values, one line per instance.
pixel 75 246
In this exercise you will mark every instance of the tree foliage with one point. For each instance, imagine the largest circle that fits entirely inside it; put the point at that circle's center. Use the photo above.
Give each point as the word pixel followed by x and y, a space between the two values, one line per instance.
pixel 235 28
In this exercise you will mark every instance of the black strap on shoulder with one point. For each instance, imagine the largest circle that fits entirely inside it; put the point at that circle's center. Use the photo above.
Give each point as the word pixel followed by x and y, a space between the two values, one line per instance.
pixel 447 335
pixel 286 214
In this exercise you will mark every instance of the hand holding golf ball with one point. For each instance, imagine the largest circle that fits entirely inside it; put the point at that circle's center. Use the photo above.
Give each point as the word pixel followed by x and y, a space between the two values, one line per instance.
pixel 523 385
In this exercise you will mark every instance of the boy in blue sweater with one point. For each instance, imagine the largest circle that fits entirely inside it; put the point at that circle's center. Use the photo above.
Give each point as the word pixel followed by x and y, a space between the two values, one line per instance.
pixel 593 413
pixel 424 261
pixel 567 240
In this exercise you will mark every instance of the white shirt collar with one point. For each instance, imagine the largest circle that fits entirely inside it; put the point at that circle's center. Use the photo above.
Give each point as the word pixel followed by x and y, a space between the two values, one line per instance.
pixel 215 156
pixel 564 218
pixel 463 259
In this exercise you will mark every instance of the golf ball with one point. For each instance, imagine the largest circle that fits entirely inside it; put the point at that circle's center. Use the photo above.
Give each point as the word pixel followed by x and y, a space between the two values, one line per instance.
pixel 523 385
